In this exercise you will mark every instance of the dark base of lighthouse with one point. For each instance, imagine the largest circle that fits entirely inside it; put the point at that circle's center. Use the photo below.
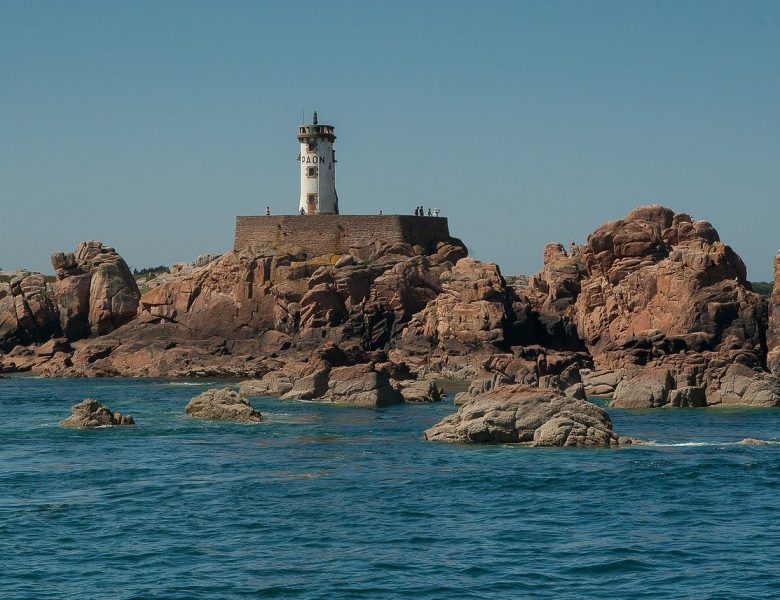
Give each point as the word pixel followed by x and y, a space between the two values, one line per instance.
pixel 336 234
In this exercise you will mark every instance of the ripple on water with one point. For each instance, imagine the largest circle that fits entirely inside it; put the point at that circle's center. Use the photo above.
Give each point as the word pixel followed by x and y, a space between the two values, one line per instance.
pixel 320 502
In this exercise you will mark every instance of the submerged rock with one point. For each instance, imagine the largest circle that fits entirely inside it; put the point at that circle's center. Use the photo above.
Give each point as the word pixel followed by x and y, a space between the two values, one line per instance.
pixel 520 414
pixel 754 442
pixel 223 404
pixel 91 413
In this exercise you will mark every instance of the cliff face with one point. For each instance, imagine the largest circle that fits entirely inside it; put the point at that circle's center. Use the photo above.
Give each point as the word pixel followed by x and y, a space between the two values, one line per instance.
pixel 773 340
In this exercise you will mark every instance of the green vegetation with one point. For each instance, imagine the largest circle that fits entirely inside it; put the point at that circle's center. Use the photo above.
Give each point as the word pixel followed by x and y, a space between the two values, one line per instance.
pixel 151 271
pixel 5 278
pixel 762 287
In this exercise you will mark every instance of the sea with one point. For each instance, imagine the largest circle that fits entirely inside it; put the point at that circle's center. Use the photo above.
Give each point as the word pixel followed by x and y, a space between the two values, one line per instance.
pixel 322 501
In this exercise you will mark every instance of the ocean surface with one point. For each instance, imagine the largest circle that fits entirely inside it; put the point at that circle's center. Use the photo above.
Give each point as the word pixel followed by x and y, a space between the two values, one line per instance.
pixel 321 501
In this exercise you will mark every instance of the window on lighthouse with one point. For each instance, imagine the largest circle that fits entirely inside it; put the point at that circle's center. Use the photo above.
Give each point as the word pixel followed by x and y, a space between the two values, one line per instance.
pixel 312 147
pixel 311 171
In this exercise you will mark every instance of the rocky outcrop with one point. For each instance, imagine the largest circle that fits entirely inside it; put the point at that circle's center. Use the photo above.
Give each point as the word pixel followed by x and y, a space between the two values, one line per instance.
pixel 419 390
pixel 664 273
pixel 361 385
pixel 518 414
pixel 274 383
pixel 222 404
pixel 232 315
pixel 646 388
pixel 664 296
pixel 91 413
pixel 738 384
pixel 471 312
pixel 655 294
pixel 531 366
pixel 95 291
pixel 27 310
pixel 687 397
pixel 557 286
pixel 773 337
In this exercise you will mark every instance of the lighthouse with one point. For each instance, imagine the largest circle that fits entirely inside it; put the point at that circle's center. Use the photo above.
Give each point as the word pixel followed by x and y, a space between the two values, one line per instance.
pixel 318 169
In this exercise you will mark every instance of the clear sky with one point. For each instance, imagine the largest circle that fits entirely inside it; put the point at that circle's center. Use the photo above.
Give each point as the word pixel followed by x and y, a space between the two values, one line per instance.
pixel 150 125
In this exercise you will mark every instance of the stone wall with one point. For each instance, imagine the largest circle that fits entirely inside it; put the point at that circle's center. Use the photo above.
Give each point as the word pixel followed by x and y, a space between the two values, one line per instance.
pixel 336 234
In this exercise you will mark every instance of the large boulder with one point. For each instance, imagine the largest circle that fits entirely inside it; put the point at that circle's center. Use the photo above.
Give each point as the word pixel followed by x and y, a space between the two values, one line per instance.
pixel 518 414
pixel 421 390
pixel 738 384
pixel 91 413
pixel 361 385
pixel 95 291
pixel 274 383
pixel 646 388
pixel 222 404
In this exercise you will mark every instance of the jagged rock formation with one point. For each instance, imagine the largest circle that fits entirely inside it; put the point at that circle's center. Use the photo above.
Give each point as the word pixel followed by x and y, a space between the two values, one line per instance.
pixel 231 315
pixel 773 338
pixel 657 274
pixel 653 305
pixel 518 414
pixel 91 413
pixel 558 284
pixel 665 305
pixel 470 314
pixel 531 366
pixel 95 291
pixel 27 310
pixel 222 404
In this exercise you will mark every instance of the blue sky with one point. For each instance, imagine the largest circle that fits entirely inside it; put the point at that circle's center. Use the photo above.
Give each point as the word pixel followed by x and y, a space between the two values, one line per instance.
pixel 150 125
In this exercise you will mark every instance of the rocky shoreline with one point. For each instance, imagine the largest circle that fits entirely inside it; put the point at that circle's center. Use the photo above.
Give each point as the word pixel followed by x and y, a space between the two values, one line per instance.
pixel 652 311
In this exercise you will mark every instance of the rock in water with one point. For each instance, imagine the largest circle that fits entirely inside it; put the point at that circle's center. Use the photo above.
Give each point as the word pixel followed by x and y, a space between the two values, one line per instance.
pixel 419 390
pixel 361 385
pixel 527 415
pixel 223 404
pixel 648 388
pixel 91 413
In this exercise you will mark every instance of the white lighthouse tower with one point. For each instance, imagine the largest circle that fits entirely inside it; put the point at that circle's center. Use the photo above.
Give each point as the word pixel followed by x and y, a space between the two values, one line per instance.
pixel 318 169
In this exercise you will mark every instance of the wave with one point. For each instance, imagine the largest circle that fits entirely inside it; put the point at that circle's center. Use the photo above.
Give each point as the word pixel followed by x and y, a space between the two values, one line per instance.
pixel 743 442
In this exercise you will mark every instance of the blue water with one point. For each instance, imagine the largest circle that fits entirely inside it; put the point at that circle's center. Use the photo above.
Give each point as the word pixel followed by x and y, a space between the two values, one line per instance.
pixel 331 502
